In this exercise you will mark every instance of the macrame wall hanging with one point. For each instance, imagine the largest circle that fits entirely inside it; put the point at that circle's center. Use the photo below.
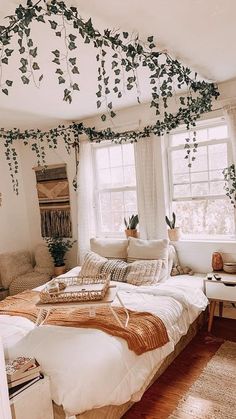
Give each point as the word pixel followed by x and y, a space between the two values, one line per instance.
pixel 54 201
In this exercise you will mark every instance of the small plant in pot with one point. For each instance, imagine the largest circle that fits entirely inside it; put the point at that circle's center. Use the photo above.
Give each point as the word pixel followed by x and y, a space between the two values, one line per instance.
pixel 173 231
pixel 131 226
pixel 58 247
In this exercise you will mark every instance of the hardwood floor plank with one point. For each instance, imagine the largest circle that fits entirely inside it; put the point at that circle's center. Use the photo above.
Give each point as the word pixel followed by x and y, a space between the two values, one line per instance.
pixel 163 396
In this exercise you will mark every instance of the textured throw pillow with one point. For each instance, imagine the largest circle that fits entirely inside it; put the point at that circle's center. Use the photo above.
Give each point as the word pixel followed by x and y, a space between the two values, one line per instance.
pixel 139 249
pixel 110 248
pixel 13 264
pixel 146 272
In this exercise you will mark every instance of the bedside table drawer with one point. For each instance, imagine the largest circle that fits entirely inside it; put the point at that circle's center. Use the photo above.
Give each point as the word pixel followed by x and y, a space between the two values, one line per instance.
pixel 220 291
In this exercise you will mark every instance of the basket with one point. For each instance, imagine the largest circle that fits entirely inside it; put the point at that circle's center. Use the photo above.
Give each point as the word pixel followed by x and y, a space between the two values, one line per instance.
pixel 77 289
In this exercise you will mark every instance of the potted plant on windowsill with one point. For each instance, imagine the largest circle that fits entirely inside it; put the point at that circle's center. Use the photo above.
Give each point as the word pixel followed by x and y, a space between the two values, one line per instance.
pixel 58 247
pixel 174 232
pixel 131 226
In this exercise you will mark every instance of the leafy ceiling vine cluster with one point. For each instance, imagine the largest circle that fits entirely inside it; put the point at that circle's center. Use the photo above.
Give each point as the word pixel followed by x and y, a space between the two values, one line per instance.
pixel 119 56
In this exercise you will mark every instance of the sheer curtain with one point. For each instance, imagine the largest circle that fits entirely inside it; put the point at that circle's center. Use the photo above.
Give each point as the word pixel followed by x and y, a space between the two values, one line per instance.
pixel 86 210
pixel 230 115
pixel 150 187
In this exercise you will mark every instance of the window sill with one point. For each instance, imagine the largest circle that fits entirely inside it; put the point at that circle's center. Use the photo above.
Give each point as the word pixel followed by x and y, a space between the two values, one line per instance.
pixel 207 240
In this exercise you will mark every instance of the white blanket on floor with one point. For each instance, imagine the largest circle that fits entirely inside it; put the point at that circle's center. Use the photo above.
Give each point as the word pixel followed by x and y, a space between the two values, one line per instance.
pixel 89 368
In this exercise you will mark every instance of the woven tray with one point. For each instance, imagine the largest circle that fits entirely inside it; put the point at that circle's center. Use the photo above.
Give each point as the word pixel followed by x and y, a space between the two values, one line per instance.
pixel 77 289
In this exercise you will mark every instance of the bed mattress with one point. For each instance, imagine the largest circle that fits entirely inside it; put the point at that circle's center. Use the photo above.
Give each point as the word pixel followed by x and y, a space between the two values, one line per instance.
pixel 89 369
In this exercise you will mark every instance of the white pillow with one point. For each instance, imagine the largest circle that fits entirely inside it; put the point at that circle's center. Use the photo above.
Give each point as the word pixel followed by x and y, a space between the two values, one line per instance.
pixel 110 248
pixel 145 272
pixel 139 249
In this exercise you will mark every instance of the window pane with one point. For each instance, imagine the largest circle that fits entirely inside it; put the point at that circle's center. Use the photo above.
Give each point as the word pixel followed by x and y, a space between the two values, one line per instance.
pixel 130 200
pixel 205 216
pixel 181 191
pixel 181 178
pixel 106 221
pixel 217 188
pixel 179 164
pixel 129 175
pixel 117 203
pixel 128 154
pixel 115 155
pixel 117 221
pixel 199 176
pixel 217 156
pixel 201 135
pixel 178 139
pixel 216 175
pixel 104 178
pixel 105 201
pixel 200 189
pixel 218 133
pixel 117 176
pixel 200 164
pixel 102 157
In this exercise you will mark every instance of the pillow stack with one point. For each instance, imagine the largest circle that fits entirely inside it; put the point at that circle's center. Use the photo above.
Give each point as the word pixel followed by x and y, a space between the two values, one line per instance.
pixel 147 260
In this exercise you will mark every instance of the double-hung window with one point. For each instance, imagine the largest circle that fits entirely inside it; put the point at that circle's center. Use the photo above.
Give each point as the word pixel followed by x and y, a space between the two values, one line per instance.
pixel 197 193
pixel 115 187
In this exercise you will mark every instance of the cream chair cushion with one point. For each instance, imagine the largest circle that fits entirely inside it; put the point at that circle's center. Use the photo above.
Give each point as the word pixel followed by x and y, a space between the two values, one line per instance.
pixel 13 264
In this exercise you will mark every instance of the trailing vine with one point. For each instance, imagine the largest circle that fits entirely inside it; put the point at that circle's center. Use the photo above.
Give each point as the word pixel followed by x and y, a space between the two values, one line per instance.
pixel 230 183
pixel 119 56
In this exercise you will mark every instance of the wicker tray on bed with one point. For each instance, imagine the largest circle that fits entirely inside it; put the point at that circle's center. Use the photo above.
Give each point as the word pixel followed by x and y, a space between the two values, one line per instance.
pixel 77 289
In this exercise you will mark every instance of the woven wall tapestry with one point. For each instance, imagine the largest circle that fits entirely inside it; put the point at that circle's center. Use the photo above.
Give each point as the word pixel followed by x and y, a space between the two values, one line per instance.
pixel 54 201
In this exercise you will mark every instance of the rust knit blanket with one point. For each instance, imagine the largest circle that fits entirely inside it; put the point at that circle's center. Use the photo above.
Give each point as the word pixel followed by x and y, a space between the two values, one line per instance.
pixel 144 332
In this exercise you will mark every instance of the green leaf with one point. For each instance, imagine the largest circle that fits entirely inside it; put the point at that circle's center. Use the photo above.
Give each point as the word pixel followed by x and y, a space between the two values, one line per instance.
pixel 8 52
pixel 59 71
pixel 41 78
pixel 58 33
pixel 9 83
pixel 25 80
pixel 56 52
pixel 150 39
pixel 103 117
pixel 75 86
pixel 113 114
pixel 72 37
pixel 5 60
pixel 72 61
pixel 61 80
pixel 53 24
pixel 99 104
pixel 125 35
pixel 109 105
pixel 22 50
pixel 36 66
pixel 72 46
pixel 75 70
pixel 33 52
pixel 30 43
pixel 5 91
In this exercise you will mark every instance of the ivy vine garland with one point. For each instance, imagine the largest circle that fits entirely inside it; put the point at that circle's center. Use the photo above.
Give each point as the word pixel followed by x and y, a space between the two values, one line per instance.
pixel 115 76
pixel 230 183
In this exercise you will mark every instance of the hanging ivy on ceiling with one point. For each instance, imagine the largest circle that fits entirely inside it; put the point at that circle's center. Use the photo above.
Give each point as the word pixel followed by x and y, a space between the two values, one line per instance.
pixel 119 56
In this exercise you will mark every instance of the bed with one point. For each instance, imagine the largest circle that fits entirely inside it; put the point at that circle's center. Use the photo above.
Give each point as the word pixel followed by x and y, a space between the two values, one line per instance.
pixel 79 361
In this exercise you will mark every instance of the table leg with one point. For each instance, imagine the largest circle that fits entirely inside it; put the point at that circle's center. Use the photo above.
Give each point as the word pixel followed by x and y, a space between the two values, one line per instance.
pixel 221 306
pixel 211 316
pixel 126 311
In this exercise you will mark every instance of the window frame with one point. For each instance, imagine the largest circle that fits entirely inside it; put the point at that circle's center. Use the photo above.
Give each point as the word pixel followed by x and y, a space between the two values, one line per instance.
pixel 209 123
pixel 98 190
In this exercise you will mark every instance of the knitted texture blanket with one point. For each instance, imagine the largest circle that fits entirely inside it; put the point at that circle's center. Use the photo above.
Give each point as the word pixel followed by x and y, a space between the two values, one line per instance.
pixel 144 332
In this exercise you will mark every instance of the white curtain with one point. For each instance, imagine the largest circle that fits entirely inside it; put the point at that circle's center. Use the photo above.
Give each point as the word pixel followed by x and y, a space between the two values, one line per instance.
pixel 86 211
pixel 150 188
pixel 230 115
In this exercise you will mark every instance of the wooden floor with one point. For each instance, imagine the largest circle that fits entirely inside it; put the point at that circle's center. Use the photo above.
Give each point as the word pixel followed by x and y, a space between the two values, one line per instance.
pixel 163 396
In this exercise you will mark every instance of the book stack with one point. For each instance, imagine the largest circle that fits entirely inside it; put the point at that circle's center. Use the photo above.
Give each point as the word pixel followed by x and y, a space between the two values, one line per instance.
pixel 21 371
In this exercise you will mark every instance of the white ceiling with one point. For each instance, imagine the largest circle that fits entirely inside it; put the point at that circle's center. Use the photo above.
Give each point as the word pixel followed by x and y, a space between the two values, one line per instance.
pixel 198 32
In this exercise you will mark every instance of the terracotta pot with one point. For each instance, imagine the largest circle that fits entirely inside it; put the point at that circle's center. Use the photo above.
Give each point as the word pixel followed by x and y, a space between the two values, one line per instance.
pixel 59 270
pixel 217 261
pixel 132 233
pixel 174 234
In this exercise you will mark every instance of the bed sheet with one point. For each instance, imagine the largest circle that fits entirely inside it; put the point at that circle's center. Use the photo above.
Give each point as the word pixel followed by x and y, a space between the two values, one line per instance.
pixel 79 362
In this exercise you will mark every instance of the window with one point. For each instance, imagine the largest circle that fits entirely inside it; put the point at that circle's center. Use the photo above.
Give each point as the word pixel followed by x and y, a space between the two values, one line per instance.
pixel 197 193
pixel 115 185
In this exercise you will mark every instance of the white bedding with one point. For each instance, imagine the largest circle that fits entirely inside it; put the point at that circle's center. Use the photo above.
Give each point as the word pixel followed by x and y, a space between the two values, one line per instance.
pixel 89 368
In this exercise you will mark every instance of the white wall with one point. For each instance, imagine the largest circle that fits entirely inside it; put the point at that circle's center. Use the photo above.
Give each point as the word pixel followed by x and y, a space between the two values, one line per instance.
pixel 14 230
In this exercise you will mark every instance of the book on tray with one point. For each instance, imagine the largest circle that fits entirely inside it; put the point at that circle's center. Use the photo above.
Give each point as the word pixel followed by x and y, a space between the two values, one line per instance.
pixel 21 370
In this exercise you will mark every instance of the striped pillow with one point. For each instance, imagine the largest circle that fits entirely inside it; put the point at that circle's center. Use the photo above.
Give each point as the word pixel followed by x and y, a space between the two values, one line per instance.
pixel 145 272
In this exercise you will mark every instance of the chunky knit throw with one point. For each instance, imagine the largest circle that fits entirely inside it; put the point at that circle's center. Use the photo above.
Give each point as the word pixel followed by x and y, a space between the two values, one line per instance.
pixel 144 332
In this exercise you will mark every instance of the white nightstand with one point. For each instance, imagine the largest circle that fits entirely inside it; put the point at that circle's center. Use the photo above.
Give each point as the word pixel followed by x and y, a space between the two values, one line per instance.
pixel 223 290
pixel 34 402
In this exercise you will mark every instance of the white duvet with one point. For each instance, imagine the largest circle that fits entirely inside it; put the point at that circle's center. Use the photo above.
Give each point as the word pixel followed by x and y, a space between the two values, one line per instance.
pixel 89 368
